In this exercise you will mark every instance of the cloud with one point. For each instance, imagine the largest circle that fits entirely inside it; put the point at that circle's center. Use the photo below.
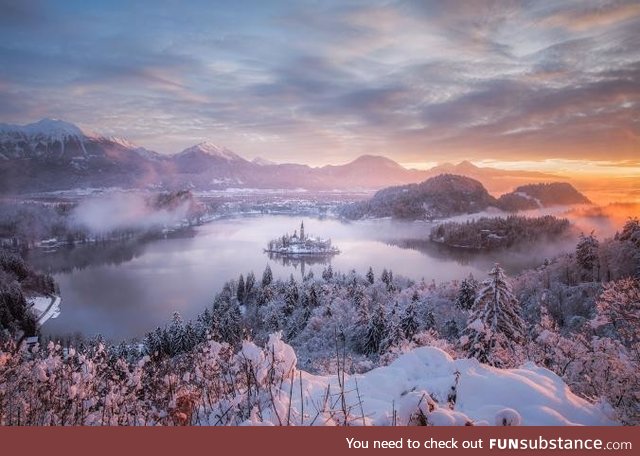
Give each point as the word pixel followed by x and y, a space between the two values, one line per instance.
pixel 414 80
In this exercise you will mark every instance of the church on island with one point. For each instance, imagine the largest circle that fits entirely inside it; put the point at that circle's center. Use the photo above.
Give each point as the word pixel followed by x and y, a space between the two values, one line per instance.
pixel 301 244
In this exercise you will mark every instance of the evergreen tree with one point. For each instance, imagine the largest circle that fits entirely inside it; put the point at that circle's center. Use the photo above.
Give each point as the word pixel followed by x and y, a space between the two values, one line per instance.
pixel 176 333
pixel 630 232
pixel 409 321
pixel 227 317
pixel 204 323
pixel 387 279
pixel 494 327
pixel 312 300
pixel 240 291
pixel 376 331
pixel 395 333
pixel 429 319
pixel 587 256
pixel 152 343
pixel 385 276
pixel 361 323
pixel 327 274
pixel 291 297
pixel 451 330
pixel 370 277
pixel 267 276
pixel 249 284
pixel 466 293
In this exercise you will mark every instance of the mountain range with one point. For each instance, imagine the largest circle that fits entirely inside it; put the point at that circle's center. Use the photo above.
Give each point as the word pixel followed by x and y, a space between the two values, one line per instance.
pixel 55 155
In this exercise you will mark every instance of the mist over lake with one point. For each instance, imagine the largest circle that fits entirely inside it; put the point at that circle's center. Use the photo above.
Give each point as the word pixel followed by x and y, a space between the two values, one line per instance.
pixel 122 290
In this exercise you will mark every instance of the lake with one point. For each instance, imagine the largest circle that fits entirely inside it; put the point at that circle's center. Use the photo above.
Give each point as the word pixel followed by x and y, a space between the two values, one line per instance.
pixel 124 289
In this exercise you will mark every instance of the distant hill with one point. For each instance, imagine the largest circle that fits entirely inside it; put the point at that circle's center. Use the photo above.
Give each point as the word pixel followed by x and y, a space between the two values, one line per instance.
pixel 441 196
pixel 495 180
pixel 448 195
pixel 535 196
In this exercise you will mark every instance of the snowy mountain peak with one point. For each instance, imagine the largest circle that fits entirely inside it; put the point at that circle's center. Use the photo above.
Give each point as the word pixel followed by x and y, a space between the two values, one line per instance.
pixel 49 129
pixel 262 161
pixel 124 142
pixel 213 150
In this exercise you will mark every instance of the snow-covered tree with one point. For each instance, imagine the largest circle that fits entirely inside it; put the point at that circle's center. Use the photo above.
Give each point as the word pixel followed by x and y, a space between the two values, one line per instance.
pixel 176 334
pixel 619 306
pixel 394 331
pixel 327 273
pixel 267 276
pixel 370 277
pixel 494 328
pixel 312 298
pixel 227 317
pixel 587 257
pixel 451 330
pixel 630 232
pixel 291 297
pixel 429 319
pixel 249 284
pixel 241 290
pixel 467 293
pixel 409 320
pixel 385 276
pixel 376 331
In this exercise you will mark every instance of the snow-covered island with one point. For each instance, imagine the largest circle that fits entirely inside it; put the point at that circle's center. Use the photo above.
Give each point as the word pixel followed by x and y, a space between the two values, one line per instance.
pixel 301 244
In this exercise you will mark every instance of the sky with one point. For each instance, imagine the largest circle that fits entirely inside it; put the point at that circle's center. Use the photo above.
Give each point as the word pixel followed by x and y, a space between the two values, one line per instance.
pixel 535 84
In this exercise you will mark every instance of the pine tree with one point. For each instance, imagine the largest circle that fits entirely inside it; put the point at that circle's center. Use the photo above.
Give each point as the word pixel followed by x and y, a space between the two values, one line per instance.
pixel 240 291
pixel 249 284
pixel 327 274
pixel 267 276
pixel 176 335
pixel 227 318
pixel 587 256
pixel 376 331
pixel 451 330
pixel 291 297
pixel 466 293
pixel 385 276
pixel 395 333
pixel 370 277
pixel 312 299
pixel 429 319
pixel 204 323
pixel 494 327
pixel 409 321
pixel 361 322
pixel 630 232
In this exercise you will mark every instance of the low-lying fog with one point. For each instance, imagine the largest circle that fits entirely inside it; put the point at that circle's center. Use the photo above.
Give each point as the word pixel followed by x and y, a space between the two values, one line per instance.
pixel 124 289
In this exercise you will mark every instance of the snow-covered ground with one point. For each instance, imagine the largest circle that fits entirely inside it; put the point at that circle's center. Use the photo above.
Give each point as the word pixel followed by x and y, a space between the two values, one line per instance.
pixel 421 386
pixel 45 307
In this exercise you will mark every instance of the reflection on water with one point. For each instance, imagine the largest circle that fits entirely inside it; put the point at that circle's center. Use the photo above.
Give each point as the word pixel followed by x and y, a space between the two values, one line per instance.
pixel 299 262
pixel 121 290
pixel 70 258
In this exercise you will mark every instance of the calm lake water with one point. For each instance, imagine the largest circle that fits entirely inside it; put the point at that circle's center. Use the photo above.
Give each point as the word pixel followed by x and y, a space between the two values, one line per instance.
pixel 124 289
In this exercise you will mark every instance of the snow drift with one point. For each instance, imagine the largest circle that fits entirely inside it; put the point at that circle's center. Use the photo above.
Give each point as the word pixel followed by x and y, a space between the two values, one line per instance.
pixel 424 386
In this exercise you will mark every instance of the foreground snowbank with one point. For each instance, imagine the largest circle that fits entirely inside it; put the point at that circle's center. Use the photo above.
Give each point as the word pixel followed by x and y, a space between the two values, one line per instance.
pixel 424 386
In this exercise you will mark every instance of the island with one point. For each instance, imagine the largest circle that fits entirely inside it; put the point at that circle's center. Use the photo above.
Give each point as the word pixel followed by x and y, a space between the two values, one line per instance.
pixel 301 244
